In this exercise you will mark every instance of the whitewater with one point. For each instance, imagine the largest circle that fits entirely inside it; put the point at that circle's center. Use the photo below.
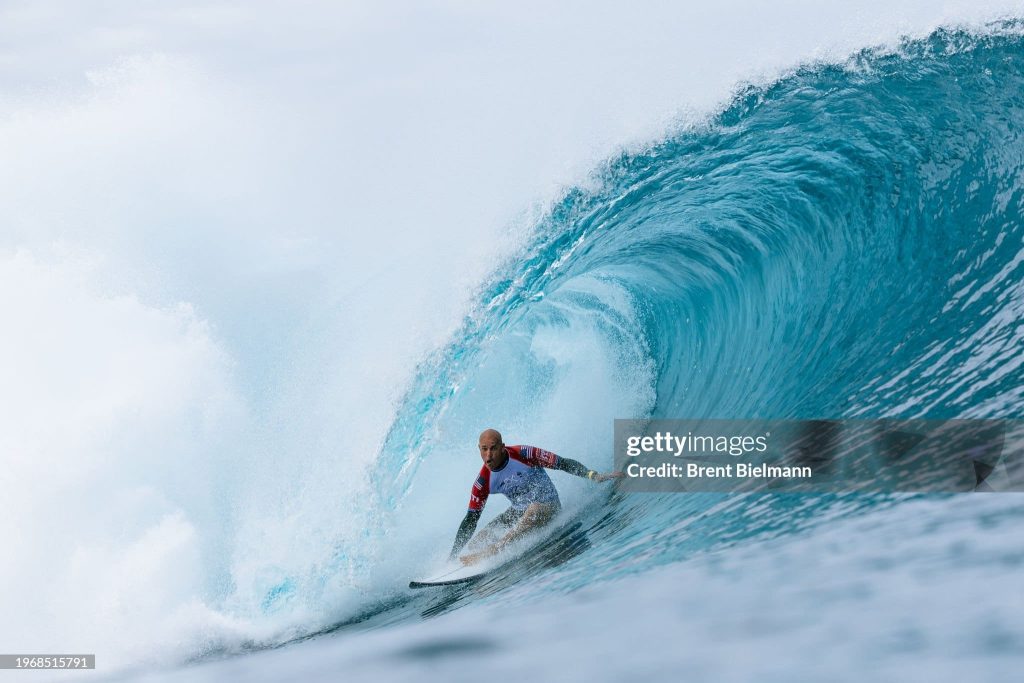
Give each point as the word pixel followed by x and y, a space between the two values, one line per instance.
pixel 267 274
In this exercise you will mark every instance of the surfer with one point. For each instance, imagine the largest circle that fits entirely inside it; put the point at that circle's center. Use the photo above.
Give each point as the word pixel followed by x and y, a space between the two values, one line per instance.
pixel 518 473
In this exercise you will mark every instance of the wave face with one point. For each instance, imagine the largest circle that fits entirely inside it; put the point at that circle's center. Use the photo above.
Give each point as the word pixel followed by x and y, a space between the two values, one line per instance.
pixel 844 242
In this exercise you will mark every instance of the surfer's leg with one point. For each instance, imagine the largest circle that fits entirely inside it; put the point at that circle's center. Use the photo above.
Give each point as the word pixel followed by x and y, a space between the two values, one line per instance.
pixel 534 516
pixel 496 528
pixel 537 515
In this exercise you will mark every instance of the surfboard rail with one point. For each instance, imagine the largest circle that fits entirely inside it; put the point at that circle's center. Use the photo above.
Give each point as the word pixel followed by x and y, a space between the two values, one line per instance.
pixel 556 537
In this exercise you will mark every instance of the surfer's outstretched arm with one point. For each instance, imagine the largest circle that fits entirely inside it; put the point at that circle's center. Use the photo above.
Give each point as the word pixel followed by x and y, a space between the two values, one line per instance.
pixel 580 470
pixel 465 532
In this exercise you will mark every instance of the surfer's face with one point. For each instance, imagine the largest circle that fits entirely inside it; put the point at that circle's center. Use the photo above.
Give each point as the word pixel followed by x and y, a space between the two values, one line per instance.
pixel 492 452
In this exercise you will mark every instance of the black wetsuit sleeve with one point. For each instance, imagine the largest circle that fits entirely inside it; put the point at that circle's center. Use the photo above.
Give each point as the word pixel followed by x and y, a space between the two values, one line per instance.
pixel 465 533
pixel 572 467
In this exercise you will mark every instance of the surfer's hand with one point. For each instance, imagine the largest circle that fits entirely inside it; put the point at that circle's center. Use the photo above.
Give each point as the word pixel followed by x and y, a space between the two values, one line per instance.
pixel 610 475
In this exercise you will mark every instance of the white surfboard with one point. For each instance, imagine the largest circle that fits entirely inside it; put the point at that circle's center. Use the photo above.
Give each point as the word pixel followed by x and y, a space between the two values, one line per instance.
pixel 472 573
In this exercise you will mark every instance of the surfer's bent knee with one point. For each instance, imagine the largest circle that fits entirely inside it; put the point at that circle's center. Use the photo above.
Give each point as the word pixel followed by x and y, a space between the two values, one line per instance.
pixel 540 512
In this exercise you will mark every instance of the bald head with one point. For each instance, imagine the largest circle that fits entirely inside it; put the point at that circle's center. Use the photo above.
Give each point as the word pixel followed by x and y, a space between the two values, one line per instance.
pixel 492 449
pixel 490 435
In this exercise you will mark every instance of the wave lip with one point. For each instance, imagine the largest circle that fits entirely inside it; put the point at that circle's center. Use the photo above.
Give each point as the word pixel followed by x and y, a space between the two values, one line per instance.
pixel 821 236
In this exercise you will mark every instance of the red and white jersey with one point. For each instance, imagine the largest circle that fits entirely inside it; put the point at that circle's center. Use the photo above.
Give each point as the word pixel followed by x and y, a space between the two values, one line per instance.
pixel 522 479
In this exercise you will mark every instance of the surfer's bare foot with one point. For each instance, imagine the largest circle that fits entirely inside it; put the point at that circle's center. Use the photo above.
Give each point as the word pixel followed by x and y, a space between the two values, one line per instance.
pixel 473 558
